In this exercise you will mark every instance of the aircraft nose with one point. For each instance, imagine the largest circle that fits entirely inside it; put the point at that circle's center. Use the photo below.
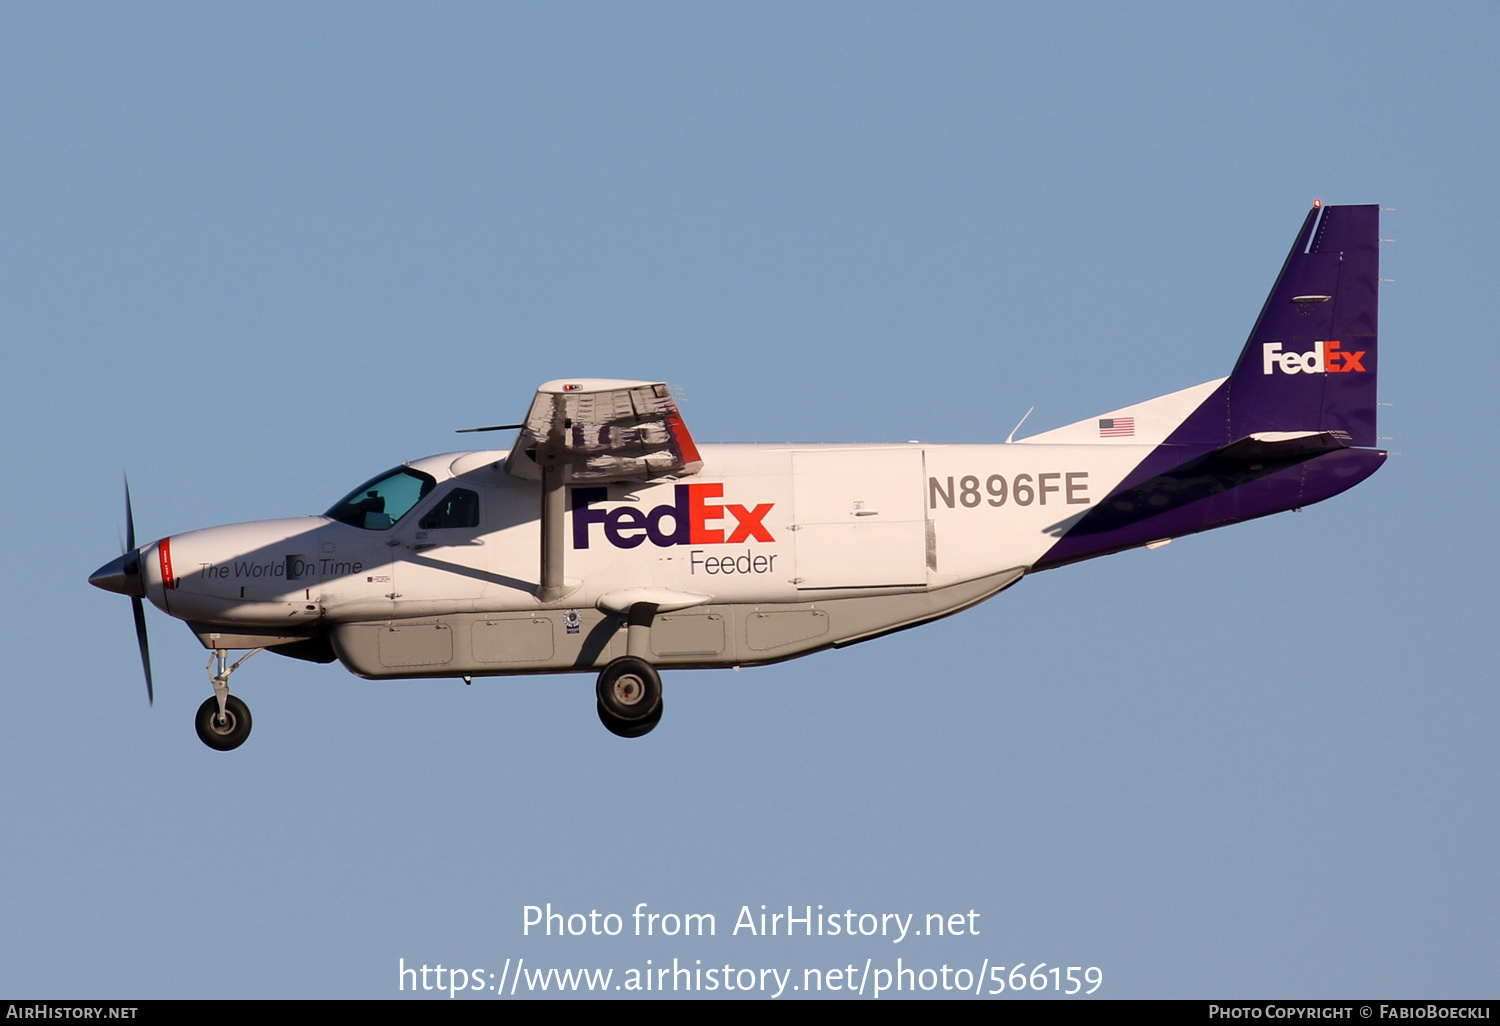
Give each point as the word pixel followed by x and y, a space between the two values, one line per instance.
pixel 121 576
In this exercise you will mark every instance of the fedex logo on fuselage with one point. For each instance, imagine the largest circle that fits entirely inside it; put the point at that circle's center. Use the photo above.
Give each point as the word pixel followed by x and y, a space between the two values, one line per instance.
pixel 686 520
pixel 1326 357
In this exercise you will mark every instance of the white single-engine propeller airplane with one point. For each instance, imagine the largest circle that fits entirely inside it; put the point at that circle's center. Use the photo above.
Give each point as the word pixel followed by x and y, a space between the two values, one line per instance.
pixel 606 541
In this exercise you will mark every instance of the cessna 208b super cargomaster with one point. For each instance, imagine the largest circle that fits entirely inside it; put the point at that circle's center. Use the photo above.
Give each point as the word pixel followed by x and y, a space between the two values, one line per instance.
pixel 606 541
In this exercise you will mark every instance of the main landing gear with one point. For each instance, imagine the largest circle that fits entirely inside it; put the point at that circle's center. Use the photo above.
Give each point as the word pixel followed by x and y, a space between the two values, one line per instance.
pixel 223 721
pixel 629 692
pixel 629 687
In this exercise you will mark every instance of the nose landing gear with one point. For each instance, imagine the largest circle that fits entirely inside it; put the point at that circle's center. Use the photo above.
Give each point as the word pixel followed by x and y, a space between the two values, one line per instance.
pixel 223 721
pixel 226 730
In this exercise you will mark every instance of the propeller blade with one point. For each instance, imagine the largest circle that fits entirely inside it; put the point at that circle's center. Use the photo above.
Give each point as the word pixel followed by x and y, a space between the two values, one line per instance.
pixel 129 519
pixel 140 636
pixel 136 605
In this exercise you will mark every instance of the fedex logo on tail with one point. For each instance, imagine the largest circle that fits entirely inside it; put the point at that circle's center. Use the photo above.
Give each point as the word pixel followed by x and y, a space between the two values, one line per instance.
pixel 689 520
pixel 1326 357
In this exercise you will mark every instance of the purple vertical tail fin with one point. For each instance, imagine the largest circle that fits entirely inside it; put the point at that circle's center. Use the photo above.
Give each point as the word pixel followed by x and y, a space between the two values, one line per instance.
pixel 1247 450
pixel 1311 360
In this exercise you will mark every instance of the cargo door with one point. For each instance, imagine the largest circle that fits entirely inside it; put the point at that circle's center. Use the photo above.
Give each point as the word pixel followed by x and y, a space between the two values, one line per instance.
pixel 860 521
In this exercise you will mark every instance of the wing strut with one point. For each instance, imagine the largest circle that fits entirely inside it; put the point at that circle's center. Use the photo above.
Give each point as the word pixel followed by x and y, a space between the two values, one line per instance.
pixel 554 500
pixel 554 506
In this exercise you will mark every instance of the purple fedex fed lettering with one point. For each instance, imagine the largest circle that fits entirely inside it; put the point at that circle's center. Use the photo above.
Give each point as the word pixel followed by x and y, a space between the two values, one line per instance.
pixel 684 522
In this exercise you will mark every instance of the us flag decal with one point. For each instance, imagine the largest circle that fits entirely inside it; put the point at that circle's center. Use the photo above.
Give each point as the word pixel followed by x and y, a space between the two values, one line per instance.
pixel 1117 427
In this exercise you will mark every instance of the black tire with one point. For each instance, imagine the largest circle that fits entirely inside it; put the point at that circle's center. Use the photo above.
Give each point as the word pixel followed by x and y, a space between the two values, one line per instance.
pixel 226 735
pixel 629 728
pixel 629 688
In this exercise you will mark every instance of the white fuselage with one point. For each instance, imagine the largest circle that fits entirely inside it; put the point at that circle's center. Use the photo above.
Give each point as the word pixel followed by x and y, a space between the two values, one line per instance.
pixel 760 524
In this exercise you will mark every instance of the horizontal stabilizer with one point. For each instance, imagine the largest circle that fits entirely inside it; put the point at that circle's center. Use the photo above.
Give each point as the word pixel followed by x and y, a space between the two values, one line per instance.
pixel 1268 446
pixel 1202 477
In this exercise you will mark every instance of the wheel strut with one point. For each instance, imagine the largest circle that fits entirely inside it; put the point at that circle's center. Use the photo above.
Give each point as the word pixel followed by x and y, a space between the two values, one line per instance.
pixel 218 673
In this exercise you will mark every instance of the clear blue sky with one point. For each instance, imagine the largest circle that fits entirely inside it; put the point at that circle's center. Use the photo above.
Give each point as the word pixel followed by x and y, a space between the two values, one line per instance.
pixel 255 253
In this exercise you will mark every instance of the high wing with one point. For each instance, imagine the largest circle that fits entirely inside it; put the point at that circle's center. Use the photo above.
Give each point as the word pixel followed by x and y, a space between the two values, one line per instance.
pixel 603 429
pixel 595 430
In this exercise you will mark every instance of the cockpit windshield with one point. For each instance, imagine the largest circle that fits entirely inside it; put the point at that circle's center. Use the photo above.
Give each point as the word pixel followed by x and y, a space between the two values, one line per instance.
pixel 377 504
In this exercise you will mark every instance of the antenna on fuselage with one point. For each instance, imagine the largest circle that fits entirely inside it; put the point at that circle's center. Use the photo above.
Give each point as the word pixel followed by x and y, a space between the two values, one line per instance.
pixel 1018 426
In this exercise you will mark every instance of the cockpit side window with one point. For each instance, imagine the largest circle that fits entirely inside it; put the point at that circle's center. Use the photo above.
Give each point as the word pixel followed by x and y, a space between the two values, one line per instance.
pixel 459 508
pixel 377 504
